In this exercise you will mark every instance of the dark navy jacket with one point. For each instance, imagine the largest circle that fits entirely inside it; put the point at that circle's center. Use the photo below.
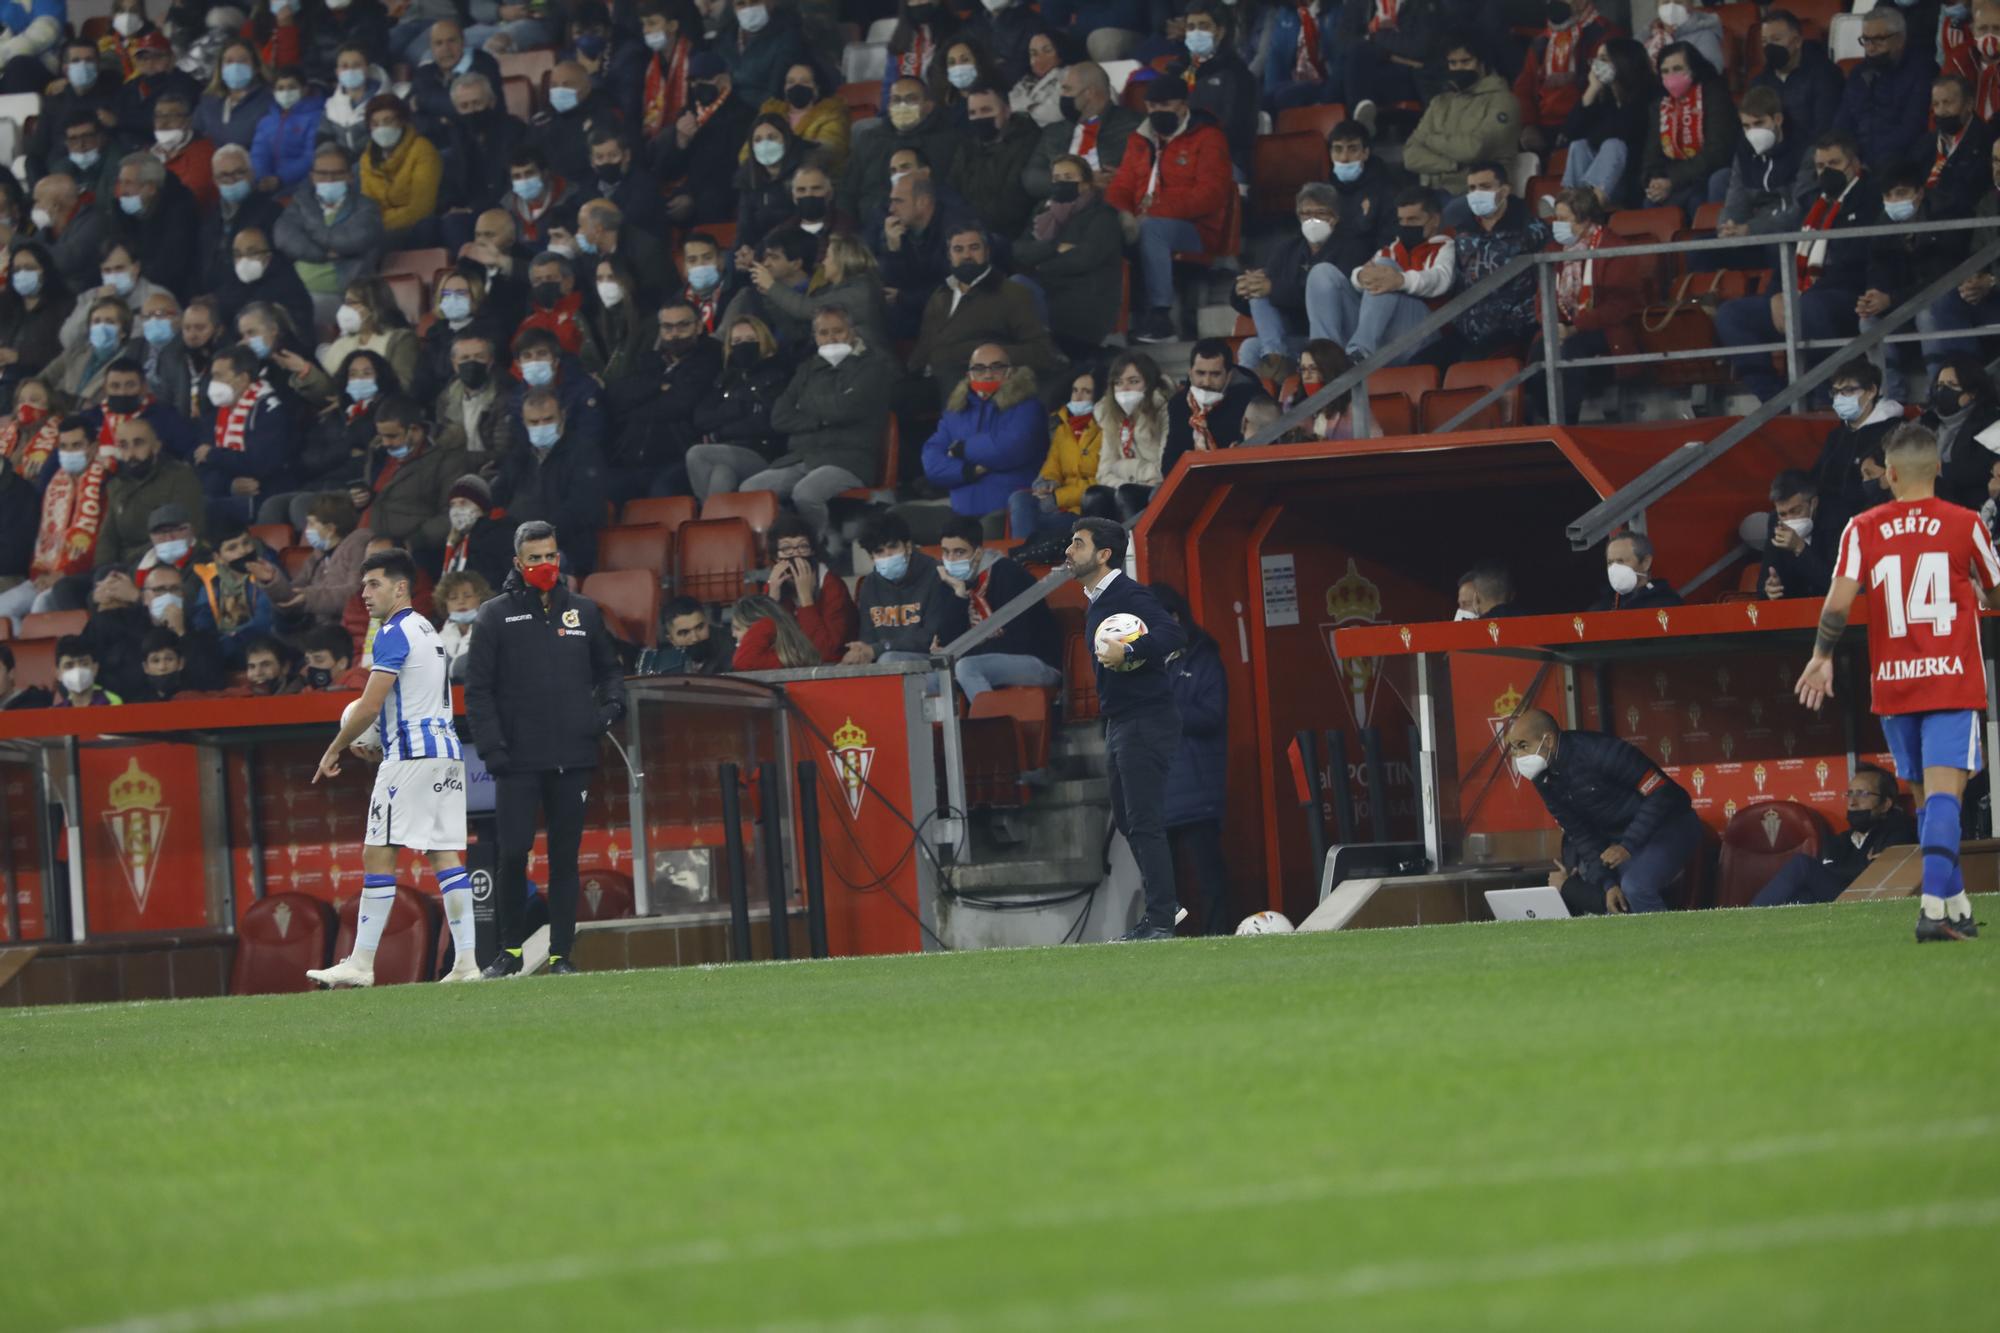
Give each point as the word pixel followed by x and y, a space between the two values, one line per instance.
pixel 1199 781
pixel 1600 791
pixel 1123 694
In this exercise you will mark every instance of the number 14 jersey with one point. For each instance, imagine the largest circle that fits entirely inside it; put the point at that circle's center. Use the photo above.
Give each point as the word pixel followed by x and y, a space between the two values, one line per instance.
pixel 1918 560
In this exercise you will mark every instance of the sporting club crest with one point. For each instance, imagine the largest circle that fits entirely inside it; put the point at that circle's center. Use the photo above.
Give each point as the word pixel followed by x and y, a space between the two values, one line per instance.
pixel 138 825
pixel 852 758
pixel 1353 600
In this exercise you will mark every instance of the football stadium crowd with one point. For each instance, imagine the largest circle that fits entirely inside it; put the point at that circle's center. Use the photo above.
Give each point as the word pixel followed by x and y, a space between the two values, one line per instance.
pixel 290 284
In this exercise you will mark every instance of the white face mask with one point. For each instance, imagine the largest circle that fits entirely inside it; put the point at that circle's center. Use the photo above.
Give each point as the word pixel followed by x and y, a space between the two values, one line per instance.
pixel 463 517
pixel 1315 230
pixel 250 270
pixel 610 293
pixel 1208 397
pixel 1531 765
pixel 1761 140
pixel 1129 400
pixel 220 393
pixel 1463 614
pixel 41 218
pixel 126 24
pixel 752 18
pixel 1802 526
pixel 169 138
pixel 835 353
pixel 1602 71
pixel 77 680
pixel 1672 13
pixel 349 320
pixel 1623 578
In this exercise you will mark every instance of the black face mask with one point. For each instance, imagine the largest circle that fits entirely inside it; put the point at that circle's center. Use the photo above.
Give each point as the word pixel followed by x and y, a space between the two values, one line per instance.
pixel 1950 124
pixel 700 650
pixel 800 96
pixel 241 564
pixel 1064 192
pixel 1862 820
pixel 1776 57
pixel 138 469
pixel 473 374
pixel 1873 493
pixel 167 685
pixel 745 354
pixel 706 94
pixel 122 402
pixel 610 174
pixel 1066 108
pixel 320 678
pixel 1462 79
pixel 984 131
pixel 1945 401
pixel 1411 237
pixel 1559 12
pixel 1832 182
pixel 547 293
pixel 812 207
pixel 679 347
pixel 1164 123
pixel 965 273
pixel 1876 64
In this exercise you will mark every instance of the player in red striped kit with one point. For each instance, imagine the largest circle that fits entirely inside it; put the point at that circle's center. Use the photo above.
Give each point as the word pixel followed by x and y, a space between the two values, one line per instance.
pixel 1925 564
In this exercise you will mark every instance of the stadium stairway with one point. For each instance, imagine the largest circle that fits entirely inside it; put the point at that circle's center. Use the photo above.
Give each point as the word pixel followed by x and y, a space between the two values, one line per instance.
pixel 1044 862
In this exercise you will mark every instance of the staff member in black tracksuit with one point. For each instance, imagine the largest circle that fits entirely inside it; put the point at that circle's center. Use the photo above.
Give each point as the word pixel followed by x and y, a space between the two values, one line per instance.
pixel 542 683
pixel 1628 829
pixel 1142 724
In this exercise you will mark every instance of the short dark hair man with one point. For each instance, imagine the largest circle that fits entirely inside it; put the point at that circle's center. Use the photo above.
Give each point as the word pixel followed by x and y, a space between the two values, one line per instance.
pixel 1798 550
pixel 691 646
pixel 903 602
pixel 542 683
pixel 1874 822
pixel 1142 723
pixel 1208 413
pixel 1628 568
pixel 1628 829
pixel 1485 592
pixel 1027 650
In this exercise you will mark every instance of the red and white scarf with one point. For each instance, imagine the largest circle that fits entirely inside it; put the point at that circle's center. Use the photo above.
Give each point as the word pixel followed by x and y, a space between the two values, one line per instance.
pixel 1204 441
pixel 1682 125
pixel 1308 67
pixel 1574 279
pixel 1384 15
pixel 1560 58
pixel 233 421
pixel 107 430
pixel 1945 148
pixel 1955 48
pixel 705 306
pixel 666 87
pixel 27 456
pixel 72 513
pixel 913 62
pixel 1128 442
pixel 1820 217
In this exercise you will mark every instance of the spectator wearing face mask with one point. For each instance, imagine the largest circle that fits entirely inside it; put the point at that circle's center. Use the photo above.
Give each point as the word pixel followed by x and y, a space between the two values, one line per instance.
pixel 1963 414
pixel 1171 190
pixel 167 594
pixel 107 337
pixel 988 171
pixel 703 144
pixel 165 668
pixel 126 399
pixel 616 334
pixel 1609 123
pixel 652 411
pixel 806 585
pixel 471 412
pixel 1867 416
pixel 1688 25
pixel 1485 592
pixel 903 603
pixel 763 182
pixel 407 482
pixel 120 275
pixel 118 621
pixel 914 121
pixel 13 693
pixel 227 601
pixel 1886 104
pixel 689 645
pixel 451 55
pixel 812 108
pixel 1960 172
pixel 1273 293
pixel 833 414
pixel 1071 249
pixel 539 363
pixel 331 578
pixel 153 77
pixel 76 676
pixel 555 303
pixel 733 418
pixel 1798 550
pixel 1091 125
pixel 1207 414
pixel 1806 81
pixel 330 665
pixel 238 96
pixel 1136 419
pixel 1027 650
pixel 242 207
pixel 1771 172
pixel 1875 823
pixel 1049 507
pixel 70 521
pixel 338 441
pixel 1901 266
pixel 401 171
pixel 1695 132
pixel 1628 568
pixel 455 602
pixel 478 541
pixel 85 92
pixel 556 475
pixel 267 669
pixel 1595 295
pixel 330 234
pixel 1502 229
pixel 538 198
pixel 1392 293
pixel 992 436
pixel 1476 119
pixel 145 481
pixel 1557 67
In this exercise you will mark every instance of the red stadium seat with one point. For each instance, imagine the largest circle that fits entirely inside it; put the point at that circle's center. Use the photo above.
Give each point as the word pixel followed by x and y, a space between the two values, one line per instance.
pixel 411 298
pixel 1413 382
pixel 757 508
pixel 1441 405
pixel 409 941
pixel 1707 218
pixel 648 546
pixel 1318 119
pixel 715 556
pixel 1030 707
pixel 294 559
pixel 277 940
pixel 534 66
pixel 1758 841
pixel 1740 36
pixel 6 628
pixel 34 662
pixel 277 536
pixel 1647 225
pixel 606 896
pixel 53 624
pixel 1484 375
pixel 995 757
pixel 630 601
pixel 1079 680
pixel 892 451
pixel 863 99
pixel 1394 414
pixel 1280 164
pixel 669 511
pixel 518 96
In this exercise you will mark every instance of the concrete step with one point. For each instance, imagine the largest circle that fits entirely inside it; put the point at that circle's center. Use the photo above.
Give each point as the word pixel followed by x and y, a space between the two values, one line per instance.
pixel 1074 791
pixel 1027 877
pixel 1045 830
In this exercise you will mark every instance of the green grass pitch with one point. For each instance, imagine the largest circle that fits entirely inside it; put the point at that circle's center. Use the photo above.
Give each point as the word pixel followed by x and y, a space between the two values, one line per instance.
pixel 1731 1120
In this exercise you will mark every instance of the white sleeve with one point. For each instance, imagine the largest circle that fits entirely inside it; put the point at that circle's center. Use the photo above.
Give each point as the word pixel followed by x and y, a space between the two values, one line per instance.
pixel 1434 279
pixel 1849 564
pixel 1986 563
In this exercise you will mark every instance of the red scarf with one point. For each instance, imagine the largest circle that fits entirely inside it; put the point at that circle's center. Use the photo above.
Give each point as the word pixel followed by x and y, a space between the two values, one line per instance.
pixel 1308 68
pixel 1128 444
pixel 1385 15
pixel 977 607
pixel 1944 151
pixel 1560 58
pixel 1573 280
pixel 704 306
pixel 234 420
pixel 107 431
pixel 913 62
pixel 666 87
pixel 531 214
pixel 1086 140
pixel 72 512
pixel 1955 46
pixel 1820 217
pixel 1682 124
pixel 1198 423
pixel 29 456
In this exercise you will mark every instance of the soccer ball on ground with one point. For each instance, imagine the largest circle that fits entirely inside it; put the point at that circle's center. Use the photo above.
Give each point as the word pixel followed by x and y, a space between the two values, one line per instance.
pixel 1124 628
pixel 367 740
pixel 1265 923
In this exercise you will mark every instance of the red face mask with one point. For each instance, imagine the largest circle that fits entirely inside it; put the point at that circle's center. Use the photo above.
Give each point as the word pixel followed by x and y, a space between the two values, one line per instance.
pixel 28 414
pixel 542 577
pixel 985 388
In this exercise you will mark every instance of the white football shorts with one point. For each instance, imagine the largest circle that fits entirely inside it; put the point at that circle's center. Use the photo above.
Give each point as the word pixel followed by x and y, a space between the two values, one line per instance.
pixel 419 804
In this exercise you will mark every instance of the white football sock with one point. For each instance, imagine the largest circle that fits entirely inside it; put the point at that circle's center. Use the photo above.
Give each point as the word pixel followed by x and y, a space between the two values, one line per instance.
pixel 375 905
pixel 457 887
pixel 1958 906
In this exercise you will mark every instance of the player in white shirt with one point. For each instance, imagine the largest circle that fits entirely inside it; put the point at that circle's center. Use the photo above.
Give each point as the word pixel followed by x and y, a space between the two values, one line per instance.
pixel 419 796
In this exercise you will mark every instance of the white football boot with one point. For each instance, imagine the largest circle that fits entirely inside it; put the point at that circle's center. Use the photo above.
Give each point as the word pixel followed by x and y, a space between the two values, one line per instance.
pixel 346 972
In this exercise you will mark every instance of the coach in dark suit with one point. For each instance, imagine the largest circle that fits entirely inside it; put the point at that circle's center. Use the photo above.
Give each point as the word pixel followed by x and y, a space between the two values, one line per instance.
pixel 1874 822
pixel 542 683
pixel 1142 724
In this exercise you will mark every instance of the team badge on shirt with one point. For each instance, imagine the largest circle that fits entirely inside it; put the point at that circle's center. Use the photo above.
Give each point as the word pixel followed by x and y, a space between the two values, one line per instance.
pixel 571 619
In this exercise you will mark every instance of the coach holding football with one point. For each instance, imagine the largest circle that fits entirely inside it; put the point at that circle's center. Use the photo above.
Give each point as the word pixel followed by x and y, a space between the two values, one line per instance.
pixel 542 683
pixel 1142 724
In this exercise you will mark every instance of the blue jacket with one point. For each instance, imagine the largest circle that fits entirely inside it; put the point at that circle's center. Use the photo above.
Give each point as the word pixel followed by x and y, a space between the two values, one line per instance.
pixel 268 448
pixel 1198 782
pixel 1008 434
pixel 238 127
pixel 1125 694
pixel 1888 111
pixel 1602 791
pixel 283 144
pixel 176 433
pixel 17 16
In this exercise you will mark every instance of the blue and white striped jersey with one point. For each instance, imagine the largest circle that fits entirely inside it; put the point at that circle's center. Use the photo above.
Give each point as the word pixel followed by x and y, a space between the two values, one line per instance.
pixel 415 722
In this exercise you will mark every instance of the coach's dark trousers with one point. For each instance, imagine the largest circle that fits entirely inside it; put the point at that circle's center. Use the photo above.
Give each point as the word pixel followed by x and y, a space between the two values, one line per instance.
pixel 559 793
pixel 1141 749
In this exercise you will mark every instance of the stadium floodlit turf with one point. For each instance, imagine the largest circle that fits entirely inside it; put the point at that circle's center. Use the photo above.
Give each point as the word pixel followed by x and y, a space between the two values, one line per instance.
pixel 1733 1120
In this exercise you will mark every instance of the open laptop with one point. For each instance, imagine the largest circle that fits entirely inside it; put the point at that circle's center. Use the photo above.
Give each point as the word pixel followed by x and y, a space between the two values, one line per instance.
pixel 1541 903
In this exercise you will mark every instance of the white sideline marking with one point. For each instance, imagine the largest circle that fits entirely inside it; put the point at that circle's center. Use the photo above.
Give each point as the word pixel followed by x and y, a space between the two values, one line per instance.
pixel 312 1302
pixel 1364 1280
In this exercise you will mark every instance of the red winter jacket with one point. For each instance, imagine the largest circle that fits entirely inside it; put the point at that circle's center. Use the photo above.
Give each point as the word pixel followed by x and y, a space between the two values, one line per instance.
pixel 1195 178
pixel 831 622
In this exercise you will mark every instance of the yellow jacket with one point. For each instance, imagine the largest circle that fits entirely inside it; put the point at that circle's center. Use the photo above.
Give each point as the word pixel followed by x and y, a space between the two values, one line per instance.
pixel 403 184
pixel 1072 463
pixel 825 123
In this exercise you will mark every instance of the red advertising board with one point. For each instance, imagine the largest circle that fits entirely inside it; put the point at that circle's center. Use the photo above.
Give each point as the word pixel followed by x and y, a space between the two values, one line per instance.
pixel 142 839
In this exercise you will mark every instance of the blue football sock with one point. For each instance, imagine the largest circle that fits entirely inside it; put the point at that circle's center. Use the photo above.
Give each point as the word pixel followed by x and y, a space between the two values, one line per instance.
pixel 1937 830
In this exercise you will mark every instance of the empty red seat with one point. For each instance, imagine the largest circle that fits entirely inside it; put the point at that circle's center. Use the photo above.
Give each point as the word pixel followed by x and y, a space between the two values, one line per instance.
pixel 996 755
pixel 1394 414
pixel 34 662
pixel 605 895
pixel 1647 225
pixel 646 546
pixel 1758 841
pixel 409 941
pixel 277 536
pixel 863 99
pixel 630 601
pixel 277 940
pixel 53 624
pixel 757 508
pixel 518 96
pixel 715 554
pixel 1283 162
pixel 419 264
pixel 1079 680
pixel 668 511
pixel 1030 708
pixel 1413 382
pixel 1441 405
pixel 294 559
pixel 1318 120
